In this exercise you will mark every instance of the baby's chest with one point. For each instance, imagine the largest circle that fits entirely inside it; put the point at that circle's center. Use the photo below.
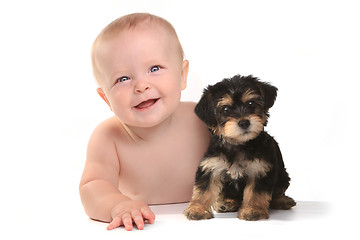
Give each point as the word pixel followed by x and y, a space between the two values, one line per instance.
pixel 168 160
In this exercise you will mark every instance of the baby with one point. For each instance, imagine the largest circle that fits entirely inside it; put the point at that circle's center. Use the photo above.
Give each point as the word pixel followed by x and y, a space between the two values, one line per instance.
pixel 149 151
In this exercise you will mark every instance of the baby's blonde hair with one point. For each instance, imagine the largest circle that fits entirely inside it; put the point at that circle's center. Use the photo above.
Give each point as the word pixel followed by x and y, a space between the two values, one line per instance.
pixel 125 23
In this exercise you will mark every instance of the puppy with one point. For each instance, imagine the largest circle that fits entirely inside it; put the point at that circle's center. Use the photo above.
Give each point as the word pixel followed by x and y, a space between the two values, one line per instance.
pixel 243 169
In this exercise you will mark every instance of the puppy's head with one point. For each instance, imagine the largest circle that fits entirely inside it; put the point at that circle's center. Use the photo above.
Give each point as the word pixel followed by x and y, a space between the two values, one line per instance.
pixel 236 109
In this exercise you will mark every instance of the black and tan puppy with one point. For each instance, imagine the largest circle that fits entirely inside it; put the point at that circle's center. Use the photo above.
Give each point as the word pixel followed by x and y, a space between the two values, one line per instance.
pixel 243 169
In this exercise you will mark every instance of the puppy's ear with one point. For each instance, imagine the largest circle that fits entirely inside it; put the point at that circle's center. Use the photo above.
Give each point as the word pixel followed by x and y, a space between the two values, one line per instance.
pixel 205 109
pixel 268 93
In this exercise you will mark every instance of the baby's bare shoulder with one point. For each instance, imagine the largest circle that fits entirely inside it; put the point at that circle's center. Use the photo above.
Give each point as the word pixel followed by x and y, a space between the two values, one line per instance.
pixel 105 135
pixel 110 128
pixel 187 110
pixel 187 106
pixel 101 159
pixel 191 120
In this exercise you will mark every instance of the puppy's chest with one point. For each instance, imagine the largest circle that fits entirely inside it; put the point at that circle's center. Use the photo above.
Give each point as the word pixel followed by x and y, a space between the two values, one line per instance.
pixel 248 168
pixel 238 167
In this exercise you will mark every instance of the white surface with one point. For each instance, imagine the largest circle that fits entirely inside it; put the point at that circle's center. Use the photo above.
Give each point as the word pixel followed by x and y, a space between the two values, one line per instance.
pixel 171 223
pixel 308 220
pixel 309 49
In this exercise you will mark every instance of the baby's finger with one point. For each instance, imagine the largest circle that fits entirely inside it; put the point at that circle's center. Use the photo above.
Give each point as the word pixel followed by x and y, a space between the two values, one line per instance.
pixel 138 219
pixel 148 214
pixel 127 221
pixel 116 222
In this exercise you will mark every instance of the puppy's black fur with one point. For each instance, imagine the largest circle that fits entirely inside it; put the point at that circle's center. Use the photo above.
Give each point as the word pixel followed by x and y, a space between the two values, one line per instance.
pixel 243 169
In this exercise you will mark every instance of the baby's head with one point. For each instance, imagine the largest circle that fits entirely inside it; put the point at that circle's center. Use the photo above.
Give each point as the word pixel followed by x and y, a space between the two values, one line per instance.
pixel 126 23
pixel 139 65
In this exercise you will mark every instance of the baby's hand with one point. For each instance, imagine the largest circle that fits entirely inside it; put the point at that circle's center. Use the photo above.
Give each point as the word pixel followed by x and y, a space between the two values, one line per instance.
pixel 129 211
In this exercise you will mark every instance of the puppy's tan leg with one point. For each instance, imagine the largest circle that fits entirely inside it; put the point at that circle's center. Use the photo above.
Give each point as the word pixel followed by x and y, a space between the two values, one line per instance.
pixel 199 206
pixel 202 200
pixel 255 205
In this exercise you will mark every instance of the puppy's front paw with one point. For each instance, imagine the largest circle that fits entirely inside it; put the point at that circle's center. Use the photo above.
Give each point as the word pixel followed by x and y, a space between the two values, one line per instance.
pixel 253 214
pixel 197 212
pixel 226 205
pixel 282 202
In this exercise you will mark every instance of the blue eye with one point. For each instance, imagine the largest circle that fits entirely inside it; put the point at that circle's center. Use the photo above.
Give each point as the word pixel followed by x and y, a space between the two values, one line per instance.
pixel 122 79
pixel 154 69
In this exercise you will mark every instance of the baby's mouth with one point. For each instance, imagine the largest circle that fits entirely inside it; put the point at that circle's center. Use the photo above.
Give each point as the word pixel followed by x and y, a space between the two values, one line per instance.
pixel 147 103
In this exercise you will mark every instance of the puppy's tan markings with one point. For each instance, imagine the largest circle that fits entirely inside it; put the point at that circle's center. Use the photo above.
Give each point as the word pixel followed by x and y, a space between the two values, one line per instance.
pixel 256 124
pixel 201 202
pixel 236 135
pixel 231 129
pixel 248 95
pixel 256 168
pixel 214 165
pixel 226 100
pixel 255 205
pixel 199 206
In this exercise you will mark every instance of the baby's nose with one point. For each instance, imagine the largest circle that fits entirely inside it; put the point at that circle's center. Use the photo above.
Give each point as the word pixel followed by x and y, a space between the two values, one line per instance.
pixel 142 87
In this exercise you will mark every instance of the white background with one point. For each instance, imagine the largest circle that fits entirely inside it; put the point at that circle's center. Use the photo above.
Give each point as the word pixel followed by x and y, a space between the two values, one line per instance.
pixel 49 105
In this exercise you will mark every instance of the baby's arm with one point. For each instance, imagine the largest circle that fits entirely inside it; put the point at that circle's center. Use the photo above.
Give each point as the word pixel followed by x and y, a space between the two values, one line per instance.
pixel 99 191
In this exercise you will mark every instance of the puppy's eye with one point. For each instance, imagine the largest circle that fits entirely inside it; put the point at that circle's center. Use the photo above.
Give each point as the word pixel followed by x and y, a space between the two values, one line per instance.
pixel 251 103
pixel 225 110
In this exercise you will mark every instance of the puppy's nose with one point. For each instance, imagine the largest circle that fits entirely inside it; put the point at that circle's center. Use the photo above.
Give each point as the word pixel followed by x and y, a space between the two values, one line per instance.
pixel 244 124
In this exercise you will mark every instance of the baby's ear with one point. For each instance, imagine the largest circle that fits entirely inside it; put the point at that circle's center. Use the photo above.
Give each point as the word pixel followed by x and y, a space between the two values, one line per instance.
pixel 184 74
pixel 268 93
pixel 205 109
pixel 103 96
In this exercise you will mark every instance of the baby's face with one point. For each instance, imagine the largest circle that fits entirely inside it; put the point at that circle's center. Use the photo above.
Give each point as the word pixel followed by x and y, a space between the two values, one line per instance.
pixel 142 75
